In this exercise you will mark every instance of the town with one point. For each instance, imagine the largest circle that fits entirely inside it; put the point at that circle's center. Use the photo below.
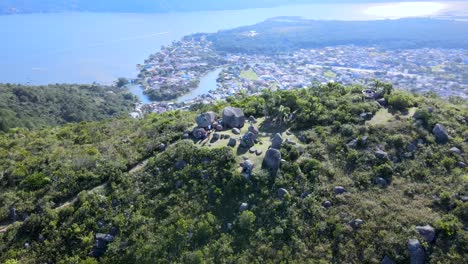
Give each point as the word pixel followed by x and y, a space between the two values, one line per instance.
pixel 177 69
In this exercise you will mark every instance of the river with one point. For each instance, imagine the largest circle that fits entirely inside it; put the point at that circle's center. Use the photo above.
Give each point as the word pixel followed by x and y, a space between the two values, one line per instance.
pixel 100 47
pixel 207 83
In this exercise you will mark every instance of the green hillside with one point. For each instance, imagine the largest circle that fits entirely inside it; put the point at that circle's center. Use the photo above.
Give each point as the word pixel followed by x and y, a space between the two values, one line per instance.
pixel 285 34
pixel 348 190
pixel 51 105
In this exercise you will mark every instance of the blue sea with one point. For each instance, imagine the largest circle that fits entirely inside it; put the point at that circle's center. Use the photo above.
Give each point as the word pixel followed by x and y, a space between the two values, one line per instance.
pixel 100 47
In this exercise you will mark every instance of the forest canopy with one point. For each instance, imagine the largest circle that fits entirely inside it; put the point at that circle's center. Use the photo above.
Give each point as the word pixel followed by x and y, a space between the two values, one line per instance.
pixel 51 105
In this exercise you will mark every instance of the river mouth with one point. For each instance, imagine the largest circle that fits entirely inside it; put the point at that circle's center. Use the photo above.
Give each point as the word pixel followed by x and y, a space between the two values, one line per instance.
pixel 137 91
pixel 208 82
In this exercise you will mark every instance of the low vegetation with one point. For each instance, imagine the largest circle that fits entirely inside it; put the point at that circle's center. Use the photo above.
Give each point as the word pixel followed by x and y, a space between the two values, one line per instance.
pixel 183 206
pixel 41 106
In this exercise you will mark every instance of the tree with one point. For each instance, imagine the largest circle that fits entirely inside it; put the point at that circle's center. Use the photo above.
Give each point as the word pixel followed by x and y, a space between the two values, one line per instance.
pixel 121 82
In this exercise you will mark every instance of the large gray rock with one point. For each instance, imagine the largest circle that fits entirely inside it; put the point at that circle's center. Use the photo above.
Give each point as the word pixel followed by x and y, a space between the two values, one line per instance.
pixel 380 154
pixel 253 130
pixel 281 193
pixel 276 141
pixel 412 147
pixel 366 116
pixel 339 190
pixel 13 215
pixel 380 181
pixel 248 140
pixel 387 260
pixel 356 223
pixel 233 117
pixel 180 164
pixel 456 151
pixel 199 133
pixel 100 244
pixel 247 168
pixel 232 142
pixel 427 231
pixel 272 159
pixel 382 102
pixel 440 134
pixel 417 254
pixel 205 120
pixel 162 147
pixel 243 207
pixel 105 237
pixel 353 143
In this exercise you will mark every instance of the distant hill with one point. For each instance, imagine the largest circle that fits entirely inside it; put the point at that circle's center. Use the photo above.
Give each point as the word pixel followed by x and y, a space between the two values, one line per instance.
pixel 147 6
pixel 51 105
pixel 289 33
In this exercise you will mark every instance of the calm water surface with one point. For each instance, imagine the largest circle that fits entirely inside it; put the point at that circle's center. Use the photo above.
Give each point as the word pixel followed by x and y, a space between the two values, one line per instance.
pixel 100 47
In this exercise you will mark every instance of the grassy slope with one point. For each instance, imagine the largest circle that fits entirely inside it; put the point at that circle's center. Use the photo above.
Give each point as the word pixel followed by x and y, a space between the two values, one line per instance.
pixel 168 214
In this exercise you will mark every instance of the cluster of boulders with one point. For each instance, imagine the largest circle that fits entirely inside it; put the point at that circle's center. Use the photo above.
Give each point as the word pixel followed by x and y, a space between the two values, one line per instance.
pixel 232 118
pixel 100 244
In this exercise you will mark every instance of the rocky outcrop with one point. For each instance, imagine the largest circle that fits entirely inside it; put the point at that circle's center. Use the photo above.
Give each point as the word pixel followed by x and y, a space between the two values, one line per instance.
pixel 243 207
pixel 247 168
pixel 232 142
pixel 253 130
pixel 206 120
pixel 356 223
pixel 100 244
pixel 382 102
pixel 199 133
pixel 13 215
pixel 339 190
pixel 281 193
pixel 417 254
pixel 380 154
pixel 387 260
pixel 233 117
pixel 380 181
pixel 440 134
pixel 248 140
pixel 366 116
pixel 272 160
pixel 455 151
pixel 276 141
pixel 427 231
pixel 180 164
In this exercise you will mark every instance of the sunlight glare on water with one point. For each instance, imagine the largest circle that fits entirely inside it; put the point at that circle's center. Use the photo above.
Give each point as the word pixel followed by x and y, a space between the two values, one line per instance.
pixel 408 9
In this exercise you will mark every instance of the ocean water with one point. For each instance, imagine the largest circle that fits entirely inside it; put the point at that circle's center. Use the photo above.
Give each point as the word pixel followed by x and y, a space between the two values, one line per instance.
pixel 100 47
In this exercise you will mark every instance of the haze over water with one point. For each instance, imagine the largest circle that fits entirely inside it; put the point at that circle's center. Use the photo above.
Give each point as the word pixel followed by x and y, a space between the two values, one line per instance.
pixel 100 47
